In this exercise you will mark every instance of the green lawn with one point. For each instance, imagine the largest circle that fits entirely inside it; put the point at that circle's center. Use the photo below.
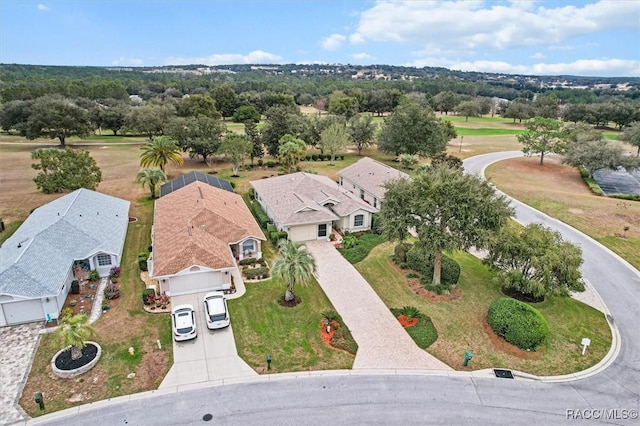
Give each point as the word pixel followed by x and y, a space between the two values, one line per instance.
pixel 9 229
pixel 465 131
pixel 290 335
pixel 483 119
pixel 460 322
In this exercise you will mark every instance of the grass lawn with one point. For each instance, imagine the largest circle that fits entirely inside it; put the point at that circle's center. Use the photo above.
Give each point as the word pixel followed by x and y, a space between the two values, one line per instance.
pixel 558 190
pixel 460 322
pixel 123 326
pixel 290 335
pixel 9 229
pixel 465 131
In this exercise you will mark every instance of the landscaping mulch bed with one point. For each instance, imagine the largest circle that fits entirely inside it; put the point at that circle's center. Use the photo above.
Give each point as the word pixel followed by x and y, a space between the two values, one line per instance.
pixel 291 303
pixel 506 347
pixel 64 361
pixel 406 322
pixel 416 286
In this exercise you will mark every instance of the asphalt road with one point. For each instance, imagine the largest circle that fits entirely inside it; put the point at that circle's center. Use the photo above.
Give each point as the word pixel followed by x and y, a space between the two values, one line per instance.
pixel 611 396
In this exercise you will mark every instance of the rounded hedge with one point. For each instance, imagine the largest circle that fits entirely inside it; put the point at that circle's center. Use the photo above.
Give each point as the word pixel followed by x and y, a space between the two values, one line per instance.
pixel 422 261
pixel 518 323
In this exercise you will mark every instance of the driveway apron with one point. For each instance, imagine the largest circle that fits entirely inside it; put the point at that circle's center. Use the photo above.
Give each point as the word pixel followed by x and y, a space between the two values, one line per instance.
pixel 382 341
pixel 210 356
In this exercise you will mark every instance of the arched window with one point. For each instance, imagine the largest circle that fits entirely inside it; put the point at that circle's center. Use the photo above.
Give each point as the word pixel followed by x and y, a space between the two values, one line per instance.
pixel 194 269
pixel 248 246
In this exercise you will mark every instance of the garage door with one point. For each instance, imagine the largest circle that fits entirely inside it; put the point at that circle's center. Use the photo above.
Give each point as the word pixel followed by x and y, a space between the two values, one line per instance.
pixel 20 312
pixel 195 283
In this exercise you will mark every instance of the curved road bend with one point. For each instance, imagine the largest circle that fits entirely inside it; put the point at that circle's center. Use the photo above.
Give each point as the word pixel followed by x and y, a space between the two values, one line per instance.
pixel 419 397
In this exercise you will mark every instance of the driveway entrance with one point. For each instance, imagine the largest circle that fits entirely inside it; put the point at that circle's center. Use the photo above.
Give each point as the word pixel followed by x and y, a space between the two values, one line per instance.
pixel 210 356
pixel 382 341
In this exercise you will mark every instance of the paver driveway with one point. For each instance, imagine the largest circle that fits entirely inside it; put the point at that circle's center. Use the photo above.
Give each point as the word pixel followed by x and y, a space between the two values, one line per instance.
pixel 382 341
pixel 17 347
pixel 210 356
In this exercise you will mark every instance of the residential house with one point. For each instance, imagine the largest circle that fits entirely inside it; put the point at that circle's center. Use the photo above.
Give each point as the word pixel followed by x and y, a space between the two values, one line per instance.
pixel 308 206
pixel 82 230
pixel 199 233
pixel 366 179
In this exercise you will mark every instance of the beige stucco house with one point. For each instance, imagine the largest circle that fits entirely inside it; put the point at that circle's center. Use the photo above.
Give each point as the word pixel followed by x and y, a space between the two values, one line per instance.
pixel 308 206
pixel 199 233
pixel 366 179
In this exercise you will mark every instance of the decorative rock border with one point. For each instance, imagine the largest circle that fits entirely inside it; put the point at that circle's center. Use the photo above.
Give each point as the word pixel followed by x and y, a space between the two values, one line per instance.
pixel 68 374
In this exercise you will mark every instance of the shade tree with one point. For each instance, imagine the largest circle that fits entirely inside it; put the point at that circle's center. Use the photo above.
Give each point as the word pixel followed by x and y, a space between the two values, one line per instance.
pixel 63 170
pixel 236 149
pixel 543 136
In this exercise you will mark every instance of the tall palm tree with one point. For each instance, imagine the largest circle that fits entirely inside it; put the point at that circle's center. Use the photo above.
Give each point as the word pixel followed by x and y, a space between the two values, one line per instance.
pixel 75 331
pixel 158 151
pixel 151 178
pixel 295 265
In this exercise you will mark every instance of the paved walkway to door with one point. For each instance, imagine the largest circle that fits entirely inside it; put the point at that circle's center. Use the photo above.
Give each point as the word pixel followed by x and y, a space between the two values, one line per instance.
pixel 382 341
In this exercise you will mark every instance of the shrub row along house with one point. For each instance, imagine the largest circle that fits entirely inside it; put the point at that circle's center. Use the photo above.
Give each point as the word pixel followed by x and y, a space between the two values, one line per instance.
pixel 200 231
pixel 83 229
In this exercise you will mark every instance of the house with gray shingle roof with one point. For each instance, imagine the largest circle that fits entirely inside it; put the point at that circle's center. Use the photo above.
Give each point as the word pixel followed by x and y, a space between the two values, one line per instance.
pixel 308 206
pixel 83 229
pixel 366 179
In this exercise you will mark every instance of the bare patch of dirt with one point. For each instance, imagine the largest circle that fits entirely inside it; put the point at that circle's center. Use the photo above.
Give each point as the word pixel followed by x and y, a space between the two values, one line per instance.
pixel 289 303
pixel 415 286
pixel 506 347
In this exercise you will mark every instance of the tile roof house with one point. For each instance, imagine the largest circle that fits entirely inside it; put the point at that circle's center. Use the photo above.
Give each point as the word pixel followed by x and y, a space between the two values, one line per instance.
pixel 83 229
pixel 308 206
pixel 199 232
pixel 366 179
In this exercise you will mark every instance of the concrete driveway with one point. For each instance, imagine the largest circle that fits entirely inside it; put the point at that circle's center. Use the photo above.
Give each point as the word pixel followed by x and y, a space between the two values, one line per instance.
pixel 209 357
pixel 382 342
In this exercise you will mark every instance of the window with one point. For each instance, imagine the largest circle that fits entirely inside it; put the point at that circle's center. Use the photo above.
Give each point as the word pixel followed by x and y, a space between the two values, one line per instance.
pixel 322 230
pixel 247 246
pixel 358 220
pixel 104 259
pixel 375 202
pixel 362 194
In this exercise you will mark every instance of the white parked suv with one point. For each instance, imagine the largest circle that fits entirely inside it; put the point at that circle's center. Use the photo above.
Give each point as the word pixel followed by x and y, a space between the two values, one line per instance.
pixel 215 310
pixel 183 318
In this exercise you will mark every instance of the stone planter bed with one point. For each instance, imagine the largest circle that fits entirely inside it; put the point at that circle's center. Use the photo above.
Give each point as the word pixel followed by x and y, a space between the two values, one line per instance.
pixel 63 366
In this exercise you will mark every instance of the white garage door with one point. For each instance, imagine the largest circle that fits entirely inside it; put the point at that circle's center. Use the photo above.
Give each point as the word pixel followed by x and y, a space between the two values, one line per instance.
pixel 195 283
pixel 20 312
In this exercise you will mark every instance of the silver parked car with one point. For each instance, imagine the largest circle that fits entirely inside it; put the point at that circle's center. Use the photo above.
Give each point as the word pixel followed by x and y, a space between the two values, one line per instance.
pixel 215 310
pixel 183 318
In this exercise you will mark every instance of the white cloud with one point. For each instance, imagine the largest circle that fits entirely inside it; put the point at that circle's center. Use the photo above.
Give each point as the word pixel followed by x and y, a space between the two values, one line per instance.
pixel 122 60
pixel 42 7
pixel 254 57
pixel 333 42
pixel 537 55
pixel 586 67
pixel 472 25
pixel 356 38
pixel 361 56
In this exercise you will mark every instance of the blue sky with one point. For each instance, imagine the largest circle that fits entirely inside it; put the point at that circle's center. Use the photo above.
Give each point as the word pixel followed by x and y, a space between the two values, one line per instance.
pixel 598 38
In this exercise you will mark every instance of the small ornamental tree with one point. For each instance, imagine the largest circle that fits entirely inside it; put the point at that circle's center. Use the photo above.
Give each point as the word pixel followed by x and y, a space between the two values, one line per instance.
pixel 62 170
pixel 236 149
pixel 74 331
pixel 292 150
pixel 151 178
pixel 542 136
pixel 295 265
pixel 535 261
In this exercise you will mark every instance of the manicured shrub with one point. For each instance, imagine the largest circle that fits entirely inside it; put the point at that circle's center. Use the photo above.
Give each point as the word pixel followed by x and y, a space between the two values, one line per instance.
pixel 111 292
pixel 270 164
pixel 423 333
pixel 422 261
pixel 330 315
pixel 142 261
pixel 307 158
pixel 145 295
pixel 412 275
pixel 314 157
pixel 260 162
pixel 410 312
pixel 342 338
pixel 400 252
pixel 518 323
pixel 260 215
pixel 364 245
pixel 256 273
pixel 94 275
pixel 248 261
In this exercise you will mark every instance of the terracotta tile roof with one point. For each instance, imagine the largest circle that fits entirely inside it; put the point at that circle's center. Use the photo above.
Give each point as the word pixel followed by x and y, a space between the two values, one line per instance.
pixel 371 175
pixel 194 225
pixel 298 198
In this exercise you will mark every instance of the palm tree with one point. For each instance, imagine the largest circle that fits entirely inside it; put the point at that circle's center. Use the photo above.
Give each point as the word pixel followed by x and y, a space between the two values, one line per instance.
pixel 151 178
pixel 158 151
pixel 74 331
pixel 295 265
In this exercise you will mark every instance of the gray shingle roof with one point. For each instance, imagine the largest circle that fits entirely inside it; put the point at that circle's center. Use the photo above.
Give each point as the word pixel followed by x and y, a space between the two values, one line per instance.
pixel 371 175
pixel 298 198
pixel 35 260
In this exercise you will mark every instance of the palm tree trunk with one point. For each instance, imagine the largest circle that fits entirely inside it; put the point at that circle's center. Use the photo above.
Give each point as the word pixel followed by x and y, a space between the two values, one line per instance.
pixel 76 353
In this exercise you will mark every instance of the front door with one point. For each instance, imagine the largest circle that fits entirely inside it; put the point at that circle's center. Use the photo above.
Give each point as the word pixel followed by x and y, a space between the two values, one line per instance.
pixel 322 230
